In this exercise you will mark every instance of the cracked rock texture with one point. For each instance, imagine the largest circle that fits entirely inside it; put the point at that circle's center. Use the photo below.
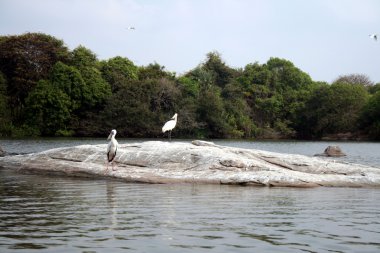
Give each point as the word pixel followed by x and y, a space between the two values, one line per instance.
pixel 196 162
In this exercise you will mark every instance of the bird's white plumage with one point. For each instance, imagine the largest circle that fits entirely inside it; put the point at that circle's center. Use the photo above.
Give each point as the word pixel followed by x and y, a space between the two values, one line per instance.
pixel 112 146
pixel 170 125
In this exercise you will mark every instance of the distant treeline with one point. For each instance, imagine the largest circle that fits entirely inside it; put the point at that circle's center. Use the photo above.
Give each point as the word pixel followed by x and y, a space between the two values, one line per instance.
pixel 48 90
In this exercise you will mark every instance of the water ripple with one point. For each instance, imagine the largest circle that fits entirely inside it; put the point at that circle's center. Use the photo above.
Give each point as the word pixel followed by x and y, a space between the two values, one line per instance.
pixel 49 214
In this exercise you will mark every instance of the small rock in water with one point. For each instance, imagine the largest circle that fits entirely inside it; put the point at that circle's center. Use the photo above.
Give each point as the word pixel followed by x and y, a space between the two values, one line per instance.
pixel 332 151
pixel 2 152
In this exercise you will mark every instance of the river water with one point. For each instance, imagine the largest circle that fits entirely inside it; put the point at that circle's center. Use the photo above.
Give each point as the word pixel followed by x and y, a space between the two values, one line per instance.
pixel 52 214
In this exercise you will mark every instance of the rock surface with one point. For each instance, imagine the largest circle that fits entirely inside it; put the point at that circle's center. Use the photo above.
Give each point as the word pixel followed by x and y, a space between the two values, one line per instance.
pixel 196 162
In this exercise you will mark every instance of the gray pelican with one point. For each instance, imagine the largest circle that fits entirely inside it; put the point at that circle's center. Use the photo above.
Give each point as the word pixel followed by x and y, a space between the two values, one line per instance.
pixel 170 125
pixel 111 148
pixel 373 36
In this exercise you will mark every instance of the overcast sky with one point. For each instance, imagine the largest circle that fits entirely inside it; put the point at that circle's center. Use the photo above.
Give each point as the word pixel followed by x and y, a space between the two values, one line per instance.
pixel 325 38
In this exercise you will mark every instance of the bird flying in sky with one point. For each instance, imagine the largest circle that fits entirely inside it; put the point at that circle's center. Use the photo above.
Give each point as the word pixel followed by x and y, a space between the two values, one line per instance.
pixel 373 36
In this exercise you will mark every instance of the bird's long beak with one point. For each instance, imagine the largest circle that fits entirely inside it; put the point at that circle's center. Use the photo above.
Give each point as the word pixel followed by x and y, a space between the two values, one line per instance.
pixel 109 137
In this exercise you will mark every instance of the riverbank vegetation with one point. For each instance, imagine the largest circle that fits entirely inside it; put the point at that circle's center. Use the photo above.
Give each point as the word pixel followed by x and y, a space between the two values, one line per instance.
pixel 48 90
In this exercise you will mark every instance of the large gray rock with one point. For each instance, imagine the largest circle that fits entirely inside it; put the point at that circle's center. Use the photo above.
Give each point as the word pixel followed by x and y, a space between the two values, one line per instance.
pixel 196 162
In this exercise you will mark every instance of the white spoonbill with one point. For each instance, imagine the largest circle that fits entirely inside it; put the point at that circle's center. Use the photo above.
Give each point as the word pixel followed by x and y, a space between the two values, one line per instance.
pixel 170 125
pixel 112 148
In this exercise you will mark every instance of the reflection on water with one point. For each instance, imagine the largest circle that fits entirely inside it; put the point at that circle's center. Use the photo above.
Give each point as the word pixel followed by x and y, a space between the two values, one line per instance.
pixel 50 214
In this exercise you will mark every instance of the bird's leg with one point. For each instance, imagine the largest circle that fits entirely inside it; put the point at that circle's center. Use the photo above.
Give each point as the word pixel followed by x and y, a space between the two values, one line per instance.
pixel 106 168
pixel 170 135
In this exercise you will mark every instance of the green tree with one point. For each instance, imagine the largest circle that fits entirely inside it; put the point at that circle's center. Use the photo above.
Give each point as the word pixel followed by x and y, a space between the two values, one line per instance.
pixel 370 117
pixel 118 71
pixel 356 79
pixel 48 109
pixel 82 57
pixel 237 112
pixel 5 120
pixel 189 89
pixel 223 74
pixel 286 75
pixel 206 83
pixel 69 80
pixel 276 92
pixel 140 107
pixel 154 71
pixel 255 81
pixel 334 109
pixel 211 114
pixel 24 60
pixel 375 88
pixel 127 110
pixel 96 90
pixel 86 121
pixel 164 95
pixel 204 78
pixel 255 74
pixel 189 86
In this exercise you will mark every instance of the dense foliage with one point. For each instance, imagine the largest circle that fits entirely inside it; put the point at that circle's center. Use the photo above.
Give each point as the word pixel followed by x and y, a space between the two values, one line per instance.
pixel 48 90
